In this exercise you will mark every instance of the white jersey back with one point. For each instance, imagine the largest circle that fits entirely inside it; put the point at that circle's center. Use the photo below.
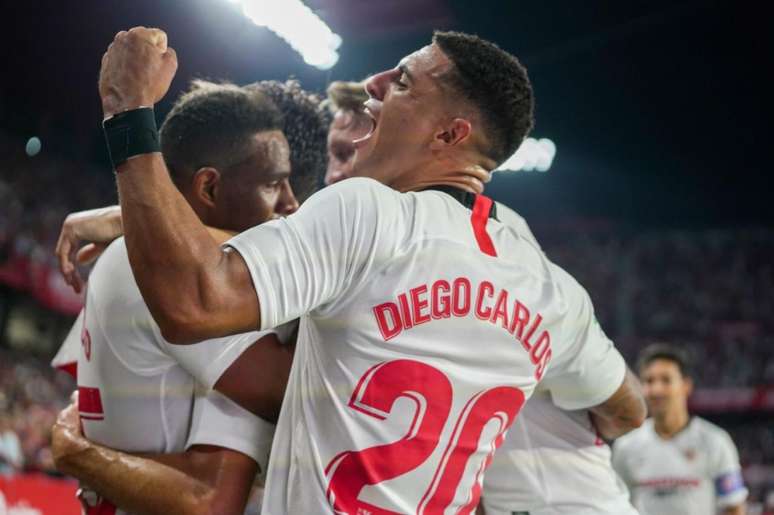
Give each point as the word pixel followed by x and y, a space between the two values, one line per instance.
pixel 134 395
pixel 553 462
pixel 695 472
pixel 416 350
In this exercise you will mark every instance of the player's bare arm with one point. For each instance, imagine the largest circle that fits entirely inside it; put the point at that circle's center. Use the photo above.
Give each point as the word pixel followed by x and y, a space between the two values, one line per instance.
pixel 194 289
pixel 735 510
pixel 258 378
pixel 623 411
pixel 203 480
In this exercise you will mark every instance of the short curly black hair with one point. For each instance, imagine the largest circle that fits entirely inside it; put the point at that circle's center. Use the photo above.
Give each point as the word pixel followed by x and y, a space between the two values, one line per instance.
pixel 495 83
pixel 665 351
pixel 213 125
pixel 305 124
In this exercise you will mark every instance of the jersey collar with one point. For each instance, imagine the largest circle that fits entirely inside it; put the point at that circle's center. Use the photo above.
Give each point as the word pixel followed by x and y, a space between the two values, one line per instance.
pixel 465 198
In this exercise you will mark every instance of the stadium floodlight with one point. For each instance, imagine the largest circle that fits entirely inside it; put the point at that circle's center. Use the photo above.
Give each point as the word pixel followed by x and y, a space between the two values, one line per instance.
pixel 532 155
pixel 301 28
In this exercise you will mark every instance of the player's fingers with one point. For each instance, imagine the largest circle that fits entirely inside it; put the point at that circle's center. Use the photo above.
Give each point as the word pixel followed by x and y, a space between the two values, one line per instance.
pixel 171 55
pixel 62 251
pixel 89 253
pixel 155 37
pixel 73 277
pixel 68 417
pixel 159 38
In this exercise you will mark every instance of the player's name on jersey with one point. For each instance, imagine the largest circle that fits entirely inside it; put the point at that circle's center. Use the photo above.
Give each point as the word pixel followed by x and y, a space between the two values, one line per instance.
pixel 444 299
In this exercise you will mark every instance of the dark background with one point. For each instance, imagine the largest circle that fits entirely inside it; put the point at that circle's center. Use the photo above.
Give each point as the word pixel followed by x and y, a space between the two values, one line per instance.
pixel 659 110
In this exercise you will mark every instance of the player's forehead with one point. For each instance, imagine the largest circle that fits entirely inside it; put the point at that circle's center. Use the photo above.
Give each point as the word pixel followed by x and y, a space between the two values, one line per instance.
pixel 661 367
pixel 273 151
pixel 427 63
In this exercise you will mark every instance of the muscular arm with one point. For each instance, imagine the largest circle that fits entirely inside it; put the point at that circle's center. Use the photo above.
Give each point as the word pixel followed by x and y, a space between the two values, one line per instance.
pixel 193 288
pixel 623 411
pixel 203 480
pixel 258 378
pixel 735 510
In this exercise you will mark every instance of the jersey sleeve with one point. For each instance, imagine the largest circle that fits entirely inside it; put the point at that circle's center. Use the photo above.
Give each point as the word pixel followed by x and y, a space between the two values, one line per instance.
pixel 590 369
pixel 66 358
pixel 305 261
pixel 219 421
pixel 726 472
pixel 208 360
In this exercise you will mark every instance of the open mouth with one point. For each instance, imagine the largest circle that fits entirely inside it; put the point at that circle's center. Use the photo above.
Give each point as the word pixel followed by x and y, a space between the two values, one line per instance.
pixel 359 141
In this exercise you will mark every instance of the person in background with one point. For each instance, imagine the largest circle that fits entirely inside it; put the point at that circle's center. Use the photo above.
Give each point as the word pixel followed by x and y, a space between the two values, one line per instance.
pixel 677 464
pixel 305 123
pixel 11 456
pixel 350 122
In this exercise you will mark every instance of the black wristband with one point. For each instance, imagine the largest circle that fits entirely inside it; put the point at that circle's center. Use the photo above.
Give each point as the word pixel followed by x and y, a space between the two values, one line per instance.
pixel 131 133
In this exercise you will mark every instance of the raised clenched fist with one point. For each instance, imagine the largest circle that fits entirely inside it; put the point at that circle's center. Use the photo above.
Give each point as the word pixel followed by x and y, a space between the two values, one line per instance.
pixel 136 70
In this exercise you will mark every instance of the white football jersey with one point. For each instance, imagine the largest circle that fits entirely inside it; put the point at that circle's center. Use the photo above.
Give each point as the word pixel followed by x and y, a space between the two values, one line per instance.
pixel 134 395
pixel 695 472
pixel 424 327
pixel 553 462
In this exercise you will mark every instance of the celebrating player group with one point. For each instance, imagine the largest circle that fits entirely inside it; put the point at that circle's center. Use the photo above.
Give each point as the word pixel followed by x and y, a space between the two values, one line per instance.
pixel 393 343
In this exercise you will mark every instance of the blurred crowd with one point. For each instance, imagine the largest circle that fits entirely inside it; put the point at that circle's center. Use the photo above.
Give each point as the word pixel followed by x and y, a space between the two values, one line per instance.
pixel 31 395
pixel 709 291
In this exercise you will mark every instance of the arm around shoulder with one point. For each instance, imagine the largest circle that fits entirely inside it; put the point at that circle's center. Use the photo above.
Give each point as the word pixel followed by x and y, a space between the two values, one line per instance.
pixel 623 411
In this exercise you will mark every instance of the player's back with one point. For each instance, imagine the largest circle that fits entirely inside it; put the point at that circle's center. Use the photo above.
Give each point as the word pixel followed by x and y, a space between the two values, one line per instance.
pixel 435 322
pixel 132 395
pixel 554 462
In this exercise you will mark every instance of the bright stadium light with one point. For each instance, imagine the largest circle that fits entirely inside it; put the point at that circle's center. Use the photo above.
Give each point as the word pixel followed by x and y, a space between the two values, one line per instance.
pixel 301 28
pixel 532 155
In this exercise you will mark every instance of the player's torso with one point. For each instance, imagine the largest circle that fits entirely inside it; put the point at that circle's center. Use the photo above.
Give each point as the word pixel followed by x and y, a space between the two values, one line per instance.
pixel 132 396
pixel 671 476
pixel 553 461
pixel 401 391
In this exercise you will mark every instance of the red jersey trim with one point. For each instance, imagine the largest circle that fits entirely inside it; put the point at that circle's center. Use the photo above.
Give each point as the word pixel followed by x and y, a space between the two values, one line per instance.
pixel 479 219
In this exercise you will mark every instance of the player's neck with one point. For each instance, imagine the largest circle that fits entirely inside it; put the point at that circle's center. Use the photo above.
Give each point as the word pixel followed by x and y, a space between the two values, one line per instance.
pixel 670 424
pixel 467 178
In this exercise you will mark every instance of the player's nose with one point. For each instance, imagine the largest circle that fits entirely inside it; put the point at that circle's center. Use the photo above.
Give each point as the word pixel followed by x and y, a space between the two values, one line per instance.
pixel 287 203
pixel 375 85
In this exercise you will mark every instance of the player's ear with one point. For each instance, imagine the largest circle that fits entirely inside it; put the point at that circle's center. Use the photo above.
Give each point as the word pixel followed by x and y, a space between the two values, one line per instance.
pixel 205 185
pixel 452 134
pixel 688 382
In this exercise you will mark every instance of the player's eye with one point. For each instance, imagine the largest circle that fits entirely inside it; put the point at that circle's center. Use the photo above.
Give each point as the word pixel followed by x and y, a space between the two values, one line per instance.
pixel 400 81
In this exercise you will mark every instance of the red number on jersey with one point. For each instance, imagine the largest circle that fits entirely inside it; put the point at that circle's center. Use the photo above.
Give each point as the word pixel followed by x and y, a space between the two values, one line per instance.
pixel 431 390
pixel 501 404
pixel 374 395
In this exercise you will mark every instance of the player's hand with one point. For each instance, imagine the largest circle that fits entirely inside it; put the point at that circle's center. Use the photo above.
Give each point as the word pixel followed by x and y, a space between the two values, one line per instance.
pixel 95 227
pixel 67 436
pixel 136 70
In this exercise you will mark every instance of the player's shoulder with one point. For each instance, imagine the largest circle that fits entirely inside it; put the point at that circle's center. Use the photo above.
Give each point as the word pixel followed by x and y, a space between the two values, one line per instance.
pixel 712 433
pixel 358 196
pixel 357 187
pixel 635 440
pixel 115 255
pixel 112 274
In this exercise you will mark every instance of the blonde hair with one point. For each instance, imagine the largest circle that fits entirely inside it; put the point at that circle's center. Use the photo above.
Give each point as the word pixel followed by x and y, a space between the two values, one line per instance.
pixel 347 96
